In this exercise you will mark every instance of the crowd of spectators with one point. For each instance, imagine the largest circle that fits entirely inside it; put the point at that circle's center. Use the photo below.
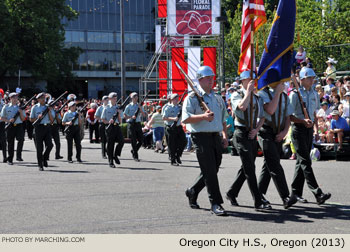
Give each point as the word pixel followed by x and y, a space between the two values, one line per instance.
pixel 332 117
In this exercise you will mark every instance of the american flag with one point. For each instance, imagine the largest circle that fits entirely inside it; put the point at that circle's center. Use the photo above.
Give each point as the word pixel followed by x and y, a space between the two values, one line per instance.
pixel 251 9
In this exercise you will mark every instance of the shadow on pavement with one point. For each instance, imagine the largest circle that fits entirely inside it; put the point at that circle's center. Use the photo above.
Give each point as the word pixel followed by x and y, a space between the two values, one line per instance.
pixel 139 169
pixel 156 162
pixel 294 214
pixel 62 171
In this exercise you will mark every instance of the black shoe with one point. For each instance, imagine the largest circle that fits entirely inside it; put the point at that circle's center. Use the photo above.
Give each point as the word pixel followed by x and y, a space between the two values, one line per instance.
pixel 41 168
pixel 116 159
pixel 79 160
pixel 58 157
pixel 163 150
pixel 340 150
pixel 218 210
pixel 111 165
pixel 264 200
pixel 322 198
pixel 192 198
pixel 19 159
pixel 9 162
pixel 5 160
pixel 301 199
pixel 329 148
pixel 289 201
pixel 173 163
pixel 263 207
pixel 232 200
pixel 45 163
pixel 104 157
pixel 178 160
pixel 70 161
pixel 135 156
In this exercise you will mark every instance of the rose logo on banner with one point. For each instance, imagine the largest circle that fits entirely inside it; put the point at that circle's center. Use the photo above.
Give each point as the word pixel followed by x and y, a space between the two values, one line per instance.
pixel 194 23
pixel 193 17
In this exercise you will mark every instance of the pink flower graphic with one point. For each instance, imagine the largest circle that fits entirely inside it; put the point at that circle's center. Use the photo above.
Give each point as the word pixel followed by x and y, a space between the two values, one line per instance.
pixel 194 23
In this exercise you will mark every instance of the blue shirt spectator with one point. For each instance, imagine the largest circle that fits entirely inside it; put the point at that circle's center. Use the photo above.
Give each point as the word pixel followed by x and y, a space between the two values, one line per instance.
pixel 340 124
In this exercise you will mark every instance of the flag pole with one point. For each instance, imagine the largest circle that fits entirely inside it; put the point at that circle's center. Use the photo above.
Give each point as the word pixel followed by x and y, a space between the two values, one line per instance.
pixel 252 58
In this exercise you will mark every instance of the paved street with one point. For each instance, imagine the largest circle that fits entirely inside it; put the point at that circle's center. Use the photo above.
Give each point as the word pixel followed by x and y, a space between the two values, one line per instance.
pixel 148 197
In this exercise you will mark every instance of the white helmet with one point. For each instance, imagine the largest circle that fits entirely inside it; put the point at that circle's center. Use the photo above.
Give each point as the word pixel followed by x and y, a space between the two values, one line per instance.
pixel 204 71
pixel 306 72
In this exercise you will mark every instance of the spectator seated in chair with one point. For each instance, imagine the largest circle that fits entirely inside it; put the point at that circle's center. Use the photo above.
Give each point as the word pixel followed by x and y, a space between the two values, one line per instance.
pixel 340 127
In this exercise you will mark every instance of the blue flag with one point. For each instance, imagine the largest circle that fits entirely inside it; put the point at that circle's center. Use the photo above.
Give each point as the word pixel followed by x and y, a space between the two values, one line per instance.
pixel 276 62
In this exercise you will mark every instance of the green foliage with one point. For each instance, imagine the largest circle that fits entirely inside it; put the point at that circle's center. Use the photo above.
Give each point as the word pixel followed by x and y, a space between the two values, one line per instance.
pixel 32 38
pixel 319 26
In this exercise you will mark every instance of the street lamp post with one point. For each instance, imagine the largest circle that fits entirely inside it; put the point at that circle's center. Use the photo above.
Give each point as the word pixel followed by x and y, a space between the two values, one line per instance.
pixel 222 20
pixel 122 50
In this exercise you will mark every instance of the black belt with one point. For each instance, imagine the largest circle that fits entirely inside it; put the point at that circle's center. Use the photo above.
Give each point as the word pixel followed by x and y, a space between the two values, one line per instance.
pixel 206 133
pixel 44 124
pixel 267 127
pixel 16 124
pixel 170 126
pixel 298 124
pixel 241 128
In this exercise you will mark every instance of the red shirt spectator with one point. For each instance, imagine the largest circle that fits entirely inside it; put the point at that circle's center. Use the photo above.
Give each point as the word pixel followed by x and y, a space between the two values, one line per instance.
pixel 91 115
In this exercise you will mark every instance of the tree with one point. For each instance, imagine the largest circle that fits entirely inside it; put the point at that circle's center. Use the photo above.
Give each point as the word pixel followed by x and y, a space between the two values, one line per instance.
pixel 32 39
pixel 233 10
pixel 322 25
pixel 319 25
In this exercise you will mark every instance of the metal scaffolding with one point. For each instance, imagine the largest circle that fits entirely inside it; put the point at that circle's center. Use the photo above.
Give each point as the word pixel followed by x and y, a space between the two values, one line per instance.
pixel 151 74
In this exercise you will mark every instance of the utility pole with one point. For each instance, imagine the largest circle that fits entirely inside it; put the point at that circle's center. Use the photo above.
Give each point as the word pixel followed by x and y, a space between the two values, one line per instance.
pixel 222 19
pixel 122 50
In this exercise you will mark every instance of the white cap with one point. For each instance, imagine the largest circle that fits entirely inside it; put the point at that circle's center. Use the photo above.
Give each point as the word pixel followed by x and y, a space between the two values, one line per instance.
pixel 71 104
pixel 133 94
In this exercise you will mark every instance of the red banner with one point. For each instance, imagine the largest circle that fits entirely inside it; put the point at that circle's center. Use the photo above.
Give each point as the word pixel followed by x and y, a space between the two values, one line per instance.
pixel 163 85
pixel 179 84
pixel 193 17
pixel 162 8
pixel 209 59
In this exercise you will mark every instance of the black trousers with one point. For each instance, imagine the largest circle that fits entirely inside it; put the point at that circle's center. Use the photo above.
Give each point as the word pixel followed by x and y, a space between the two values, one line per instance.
pixel 209 154
pixel 302 141
pixel 29 128
pixel 3 140
pixel 94 128
pixel 272 165
pixel 102 130
pixel 176 141
pixel 114 135
pixel 55 133
pixel 43 135
pixel 73 134
pixel 246 149
pixel 136 135
pixel 15 132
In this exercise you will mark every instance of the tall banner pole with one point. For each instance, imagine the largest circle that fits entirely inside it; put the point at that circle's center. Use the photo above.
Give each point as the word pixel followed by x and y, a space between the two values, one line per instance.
pixel 252 58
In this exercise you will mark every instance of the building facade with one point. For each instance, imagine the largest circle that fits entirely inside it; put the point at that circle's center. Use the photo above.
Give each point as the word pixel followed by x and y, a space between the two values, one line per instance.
pixel 97 32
